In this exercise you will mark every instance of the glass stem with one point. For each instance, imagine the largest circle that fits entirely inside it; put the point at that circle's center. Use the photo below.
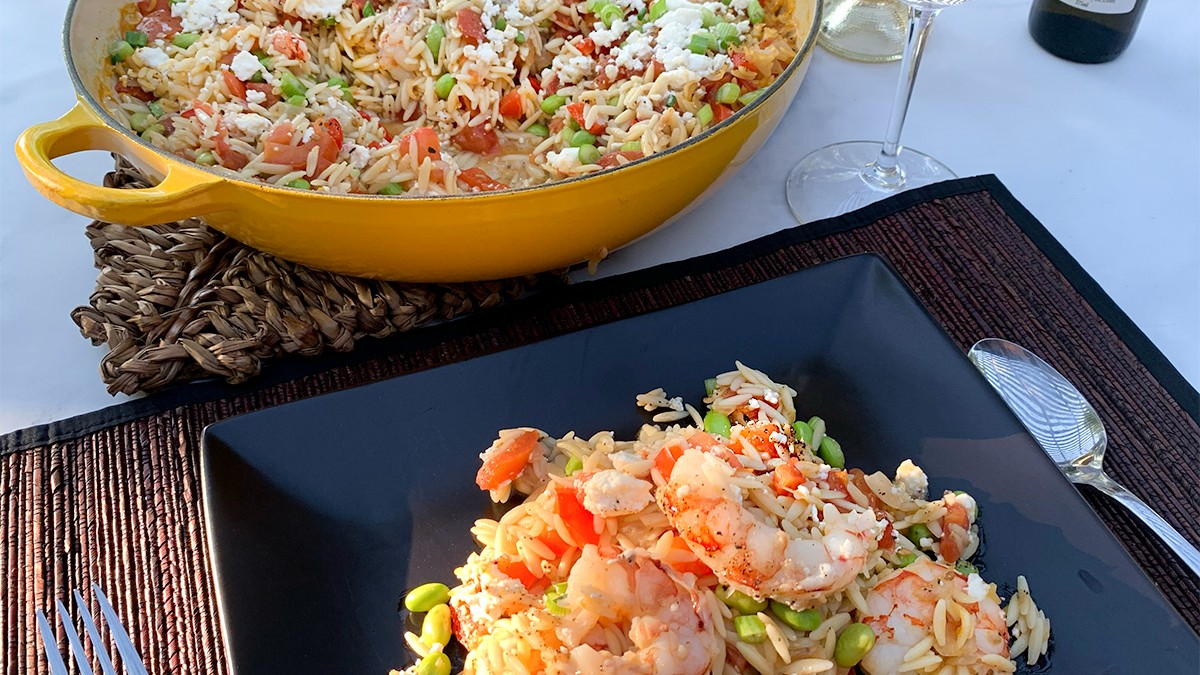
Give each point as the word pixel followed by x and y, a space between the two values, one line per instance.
pixel 884 171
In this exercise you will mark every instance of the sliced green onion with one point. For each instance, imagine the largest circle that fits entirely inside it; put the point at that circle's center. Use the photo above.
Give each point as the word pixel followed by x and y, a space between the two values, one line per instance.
pixel 805 620
pixel 336 81
pixel 291 86
pixel 754 12
pixel 739 601
pixel 710 385
pixel 634 146
pixel 750 628
pixel 433 39
pixel 299 184
pixel 520 39
pixel 185 40
pixel 965 568
pixel 140 121
pixel 750 97
pixel 444 85
pixel 670 102
pixel 831 453
pixel 707 18
pixel 555 598
pixel 258 77
pixel 702 43
pixel 136 38
pixel 581 138
pixel 552 103
pixel 657 9
pixel 368 9
pixel 329 21
pixel 391 189
pixel 610 13
pixel 501 23
pixel 297 101
pixel 574 464
pixel 206 159
pixel 726 34
pixel 716 423
pixel 119 51
pixel 572 124
pixel 156 109
pixel 705 115
pixel 154 129
pixel 538 129
pixel 588 154
pixel 728 92
pixel 594 6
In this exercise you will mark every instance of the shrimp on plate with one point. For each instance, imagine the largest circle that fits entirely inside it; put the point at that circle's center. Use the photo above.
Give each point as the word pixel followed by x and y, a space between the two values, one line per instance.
pixel 624 614
pixel 928 618
pixel 709 511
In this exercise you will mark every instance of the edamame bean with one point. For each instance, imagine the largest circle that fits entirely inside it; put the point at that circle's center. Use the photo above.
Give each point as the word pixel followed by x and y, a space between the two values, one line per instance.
pixel 852 645
pixel 434 664
pixel 555 599
pixel 906 558
pixel 427 596
pixel 716 423
pixel 433 39
pixel 918 532
pixel 818 432
pixel 588 154
pixel 391 190
pixel 739 601
pixel 831 453
pixel 750 628
pixel 538 129
pixel 552 103
pixel 299 184
pixel 444 85
pixel 435 628
pixel 140 121
pixel 574 464
pixel 803 432
pixel 965 568
pixel 805 620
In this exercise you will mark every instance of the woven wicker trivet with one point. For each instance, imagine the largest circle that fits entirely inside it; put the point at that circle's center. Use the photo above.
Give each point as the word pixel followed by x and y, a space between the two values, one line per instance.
pixel 181 301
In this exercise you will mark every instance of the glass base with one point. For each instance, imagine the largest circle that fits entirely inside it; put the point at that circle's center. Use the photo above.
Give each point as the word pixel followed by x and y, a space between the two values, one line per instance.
pixel 835 179
pixel 873 31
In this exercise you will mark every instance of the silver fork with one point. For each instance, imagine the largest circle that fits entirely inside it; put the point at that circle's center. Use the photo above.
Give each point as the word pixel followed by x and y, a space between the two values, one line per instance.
pixel 129 655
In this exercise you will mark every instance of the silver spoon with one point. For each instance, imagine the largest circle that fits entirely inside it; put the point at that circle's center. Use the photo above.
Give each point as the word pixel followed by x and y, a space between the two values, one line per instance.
pixel 1066 426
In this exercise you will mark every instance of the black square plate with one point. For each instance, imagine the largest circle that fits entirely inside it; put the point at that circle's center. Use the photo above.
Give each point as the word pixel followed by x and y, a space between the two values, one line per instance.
pixel 322 512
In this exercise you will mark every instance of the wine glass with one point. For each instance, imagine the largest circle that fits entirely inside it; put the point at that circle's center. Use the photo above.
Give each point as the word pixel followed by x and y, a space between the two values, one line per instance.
pixel 864 30
pixel 844 176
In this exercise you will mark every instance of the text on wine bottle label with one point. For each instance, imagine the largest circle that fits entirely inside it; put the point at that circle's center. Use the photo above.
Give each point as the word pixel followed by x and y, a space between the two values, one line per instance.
pixel 1102 6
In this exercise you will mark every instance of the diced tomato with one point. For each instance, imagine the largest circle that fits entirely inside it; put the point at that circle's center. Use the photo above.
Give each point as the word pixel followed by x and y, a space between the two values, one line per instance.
pixel 696 566
pixel 535 83
pixel 888 539
pixel 160 24
pixel 550 86
pixel 515 569
pixel 478 179
pixel 956 514
pixel 614 158
pixel 235 86
pixel 424 142
pixel 507 462
pixel 289 44
pixel 199 107
pixel 148 6
pixel 556 125
pixel 471 25
pixel 554 542
pixel 740 62
pixel 787 477
pixel 703 440
pixel 510 105
pixel 836 481
pixel 333 128
pixel 478 139
pixel 721 112
pixel 586 46
pixel 266 90
pixel 578 519
pixel 124 86
pixel 576 111
pixel 229 158
pixel 665 460
pixel 759 437
pixel 602 79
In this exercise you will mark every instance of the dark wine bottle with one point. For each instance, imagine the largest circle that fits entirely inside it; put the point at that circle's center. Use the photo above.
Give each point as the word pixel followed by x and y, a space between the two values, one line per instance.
pixel 1085 31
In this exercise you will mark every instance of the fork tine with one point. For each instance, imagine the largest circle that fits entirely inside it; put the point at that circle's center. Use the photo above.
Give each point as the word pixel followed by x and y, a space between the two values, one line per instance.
pixel 50 646
pixel 97 646
pixel 72 637
pixel 133 662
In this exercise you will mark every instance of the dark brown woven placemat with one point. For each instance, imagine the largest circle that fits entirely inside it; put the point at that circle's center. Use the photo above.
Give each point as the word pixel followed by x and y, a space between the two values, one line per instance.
pixel 113 497
pixel 181 301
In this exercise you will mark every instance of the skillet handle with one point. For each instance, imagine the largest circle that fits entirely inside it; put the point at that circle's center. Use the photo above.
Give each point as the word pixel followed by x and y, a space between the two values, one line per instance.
pixel 184 191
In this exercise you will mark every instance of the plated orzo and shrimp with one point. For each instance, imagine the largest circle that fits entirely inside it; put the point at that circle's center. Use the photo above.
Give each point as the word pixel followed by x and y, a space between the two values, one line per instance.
pixel 736 541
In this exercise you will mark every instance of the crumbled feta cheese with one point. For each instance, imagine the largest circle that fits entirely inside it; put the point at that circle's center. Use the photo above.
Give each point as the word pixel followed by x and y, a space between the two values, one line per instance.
pixel 771 396
pixel 245 65
pixel 318 9
pixel 251 124
pixel 976 587
pixel 255 96
pixel 564 161
pixel 615 493
pixel 484 54
pixel 634 6
pixel 911 480
pixel 343 112
pixel 779 438
pixel 969 503
pixel 204 15
pixel 604 37
pixel 753 404
pixel 669 45
pixel 925 542
pixel 153 57
pixel 571 69
pixel 359 156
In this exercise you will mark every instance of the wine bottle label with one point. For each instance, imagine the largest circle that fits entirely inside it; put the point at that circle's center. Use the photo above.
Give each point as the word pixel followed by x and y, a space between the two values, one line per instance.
pixel 1102 6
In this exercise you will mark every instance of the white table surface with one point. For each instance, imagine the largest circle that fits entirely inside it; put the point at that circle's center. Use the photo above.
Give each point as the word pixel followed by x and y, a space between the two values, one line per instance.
pixel 1105 156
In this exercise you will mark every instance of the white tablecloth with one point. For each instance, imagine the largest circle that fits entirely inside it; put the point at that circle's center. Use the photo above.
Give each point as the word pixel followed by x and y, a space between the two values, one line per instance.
pixel 1105 156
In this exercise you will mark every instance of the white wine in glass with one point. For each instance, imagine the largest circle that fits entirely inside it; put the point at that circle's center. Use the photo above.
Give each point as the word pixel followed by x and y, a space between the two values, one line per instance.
pixel 844 176
pixel 864 30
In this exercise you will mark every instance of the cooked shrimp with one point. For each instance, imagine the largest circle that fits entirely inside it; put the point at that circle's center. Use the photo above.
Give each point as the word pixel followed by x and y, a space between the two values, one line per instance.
pixel 706 507
pixel 515 461
pixel 396 38
pixel 928 618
